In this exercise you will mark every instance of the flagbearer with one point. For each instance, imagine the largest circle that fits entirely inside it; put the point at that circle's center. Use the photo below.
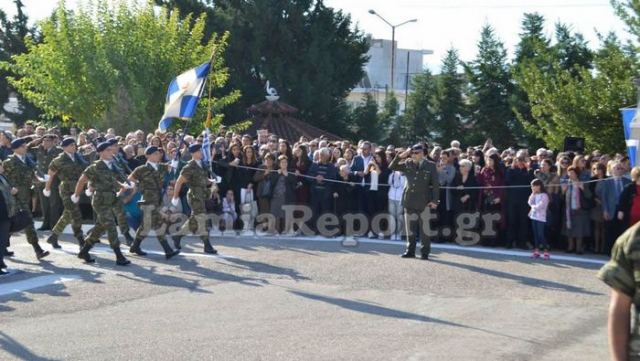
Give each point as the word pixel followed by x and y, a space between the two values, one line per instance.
pixel 68 167
pixel 104 202
pixel 150 178
pixel 20 171
pixel 196 176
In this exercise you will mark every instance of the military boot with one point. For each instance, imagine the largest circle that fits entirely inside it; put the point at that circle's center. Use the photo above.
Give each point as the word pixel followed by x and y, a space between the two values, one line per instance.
pixel 135 248
pixel 128 240
pixel 40 253
pixel 84 253
pixel 120 259
pixel 176 241
pixel 208 248
pixel 53 241
pixel 168 251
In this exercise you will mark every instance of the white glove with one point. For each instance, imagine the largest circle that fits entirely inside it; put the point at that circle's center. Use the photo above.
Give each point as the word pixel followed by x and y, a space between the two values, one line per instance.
pixel 175 201
pixel 174 164
pixel 88 192
pixel 46 177
pixel 74 198
pixel 46 192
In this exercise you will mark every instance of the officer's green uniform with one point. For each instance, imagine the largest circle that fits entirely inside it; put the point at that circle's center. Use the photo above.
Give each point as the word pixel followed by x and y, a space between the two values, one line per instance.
pixel 120 214
pixel 51 206
pixel 68 169
pixel 151 181
pixel 21 175
pixel 197 178
pixel 422 187
pixel 622 273
pixel 104 202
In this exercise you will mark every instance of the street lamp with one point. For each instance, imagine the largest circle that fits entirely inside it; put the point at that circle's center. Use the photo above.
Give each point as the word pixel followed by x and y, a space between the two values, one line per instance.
pixel 393 41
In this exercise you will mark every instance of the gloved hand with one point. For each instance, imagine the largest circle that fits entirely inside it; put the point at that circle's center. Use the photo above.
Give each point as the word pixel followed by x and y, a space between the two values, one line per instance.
pixel 175 201
pixel 75 198
pixel 46 192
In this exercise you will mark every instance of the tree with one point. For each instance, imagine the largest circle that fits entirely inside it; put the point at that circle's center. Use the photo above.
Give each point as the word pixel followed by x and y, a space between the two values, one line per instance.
pixel 12 35
pixel 581 102
pixel 363 120
pixel 110 66
pixel 490 83
pixel 571 50
pixel 451 106
pixel 388 118
pixel 308 51
pixel 420 121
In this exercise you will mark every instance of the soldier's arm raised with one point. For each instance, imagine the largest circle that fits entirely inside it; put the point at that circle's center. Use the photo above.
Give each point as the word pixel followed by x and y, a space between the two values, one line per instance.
pixel 396 165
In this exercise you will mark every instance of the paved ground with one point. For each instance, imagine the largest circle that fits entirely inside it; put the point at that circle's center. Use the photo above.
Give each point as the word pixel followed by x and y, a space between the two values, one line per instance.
pixel 274 299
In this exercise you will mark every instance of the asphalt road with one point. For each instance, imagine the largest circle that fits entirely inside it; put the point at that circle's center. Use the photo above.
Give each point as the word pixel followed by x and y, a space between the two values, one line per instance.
pixel 276 299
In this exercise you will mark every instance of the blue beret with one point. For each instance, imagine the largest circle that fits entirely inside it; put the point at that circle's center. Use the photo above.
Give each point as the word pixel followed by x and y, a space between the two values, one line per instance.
pixel 195 147
pixel 17 143
pixel 49 136
pixel 417 147
pixel 67 141
pixel 151 149
pixel 102 146
pixel 112 141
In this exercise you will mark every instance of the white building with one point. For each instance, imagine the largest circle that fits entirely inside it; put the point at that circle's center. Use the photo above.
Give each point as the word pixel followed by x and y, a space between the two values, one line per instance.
pixel 377 77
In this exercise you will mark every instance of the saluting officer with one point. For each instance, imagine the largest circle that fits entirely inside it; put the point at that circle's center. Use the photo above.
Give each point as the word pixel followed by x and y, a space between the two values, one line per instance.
pixel 150 178
pixel 197 177
pixel 420 195
pixel 20 171
pixel 104 202
pixel 68 167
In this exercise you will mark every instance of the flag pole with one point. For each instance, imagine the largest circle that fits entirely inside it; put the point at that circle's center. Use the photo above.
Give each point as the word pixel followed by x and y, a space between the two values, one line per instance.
pixel 187 121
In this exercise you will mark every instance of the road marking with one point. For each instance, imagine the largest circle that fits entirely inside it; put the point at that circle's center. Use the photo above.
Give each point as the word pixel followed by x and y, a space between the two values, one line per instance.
pixel 35 282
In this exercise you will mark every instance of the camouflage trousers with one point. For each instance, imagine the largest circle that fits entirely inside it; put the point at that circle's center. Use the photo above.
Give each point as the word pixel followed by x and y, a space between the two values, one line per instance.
pixel 70 215
pixel 152 221
pixel 105 206
pixel 30 230
pixel 197 219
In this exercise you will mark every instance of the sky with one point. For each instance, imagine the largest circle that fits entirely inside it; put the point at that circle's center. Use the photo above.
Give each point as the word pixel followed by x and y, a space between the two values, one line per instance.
pixel 445 23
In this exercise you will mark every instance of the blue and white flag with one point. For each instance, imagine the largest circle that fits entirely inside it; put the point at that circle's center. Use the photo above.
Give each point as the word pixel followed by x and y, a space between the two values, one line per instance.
pixel 206 147
pixel 183 95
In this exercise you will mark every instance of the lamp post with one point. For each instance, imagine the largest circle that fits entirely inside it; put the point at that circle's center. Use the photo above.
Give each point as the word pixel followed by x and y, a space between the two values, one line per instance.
pixel 393 41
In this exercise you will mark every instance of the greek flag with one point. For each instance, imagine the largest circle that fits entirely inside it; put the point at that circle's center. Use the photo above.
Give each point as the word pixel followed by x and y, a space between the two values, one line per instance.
pixel 183 95
pixel 206 147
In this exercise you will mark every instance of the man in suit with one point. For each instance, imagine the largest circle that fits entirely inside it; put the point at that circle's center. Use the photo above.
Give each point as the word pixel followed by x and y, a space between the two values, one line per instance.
pixel 608 191
pixel 360 162
pixel 419 198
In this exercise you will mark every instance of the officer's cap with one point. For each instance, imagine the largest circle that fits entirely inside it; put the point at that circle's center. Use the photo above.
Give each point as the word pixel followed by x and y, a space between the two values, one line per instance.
pixel 50 136
pixel 417 147
pixel 17 143
pixel 102 146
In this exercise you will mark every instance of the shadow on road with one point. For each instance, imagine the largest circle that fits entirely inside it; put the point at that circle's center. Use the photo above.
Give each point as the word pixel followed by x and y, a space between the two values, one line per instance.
pixel 19 351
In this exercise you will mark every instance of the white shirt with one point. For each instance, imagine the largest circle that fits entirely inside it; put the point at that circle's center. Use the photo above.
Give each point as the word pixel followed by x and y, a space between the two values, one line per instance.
pixel 154 165
pixel 396 185
pixel 21 157
pixel 71 155
pixel 108 163
pixel 199 163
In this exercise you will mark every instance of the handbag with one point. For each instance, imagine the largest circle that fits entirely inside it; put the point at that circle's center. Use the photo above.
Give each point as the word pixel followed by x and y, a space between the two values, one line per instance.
pixel 20 221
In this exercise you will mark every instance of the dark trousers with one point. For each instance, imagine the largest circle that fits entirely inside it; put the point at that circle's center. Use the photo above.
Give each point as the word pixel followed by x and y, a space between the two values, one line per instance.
pixel 517 223
pixel 612 230
pixel 5 225
pixel 414 225
pixel 321 203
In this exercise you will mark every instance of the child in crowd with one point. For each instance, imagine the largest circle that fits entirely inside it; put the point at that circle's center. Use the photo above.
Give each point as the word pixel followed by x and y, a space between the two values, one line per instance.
pixel 538 201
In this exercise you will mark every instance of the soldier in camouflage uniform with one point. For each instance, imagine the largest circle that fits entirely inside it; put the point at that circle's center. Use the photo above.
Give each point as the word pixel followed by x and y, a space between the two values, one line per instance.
pixel 197 177
pixel 121 169
pixel 68 167
pixel 20 171
pixel 151 180
pixel 104 202
pixel 44 151
pixel 622 274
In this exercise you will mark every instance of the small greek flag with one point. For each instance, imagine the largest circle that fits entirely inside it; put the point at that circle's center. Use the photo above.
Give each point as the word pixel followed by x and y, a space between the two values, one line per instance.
pixel 183 95
pixel 206 147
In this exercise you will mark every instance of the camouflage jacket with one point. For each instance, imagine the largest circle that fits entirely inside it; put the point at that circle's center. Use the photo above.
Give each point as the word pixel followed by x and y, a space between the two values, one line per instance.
pixel 197 178
pixel 102 178
pixel 151 182
pixel 21 175
pixel 44 157
pixel 68 171
pixel 622 273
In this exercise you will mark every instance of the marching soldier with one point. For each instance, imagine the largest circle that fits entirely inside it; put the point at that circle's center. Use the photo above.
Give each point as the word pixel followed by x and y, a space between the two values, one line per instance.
pixel 420 195
pixel 45 150
pixel 20 171
pixel 104 202
pixel 121 170
pixel 151 179
pixel 68 167
pixel 197 177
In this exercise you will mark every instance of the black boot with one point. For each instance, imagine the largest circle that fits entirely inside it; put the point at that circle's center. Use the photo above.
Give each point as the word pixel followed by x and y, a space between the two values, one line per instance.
pixel 208 248
pixel 135 248
pixel 168 252
pixel 176 242
pixel 128 240
pixel 2 264
pixel 84 253
pixel 40 253
pixel 53 241
pixel 81 241
pixel 120 260
pixel 6 252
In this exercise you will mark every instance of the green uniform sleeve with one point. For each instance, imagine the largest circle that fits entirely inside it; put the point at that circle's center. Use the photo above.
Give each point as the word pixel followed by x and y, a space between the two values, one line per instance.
pixel 55 165
pixel 618 272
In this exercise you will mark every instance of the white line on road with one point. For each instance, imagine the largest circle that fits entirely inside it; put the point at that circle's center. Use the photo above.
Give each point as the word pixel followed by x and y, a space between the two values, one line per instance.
pixel 35 282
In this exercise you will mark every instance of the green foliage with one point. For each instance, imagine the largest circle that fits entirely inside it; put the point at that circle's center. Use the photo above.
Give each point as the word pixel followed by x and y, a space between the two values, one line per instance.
pixel 109 66
pixel 310 53
pixel 419 121
pixel 490 87
pixel 581 102
pixel 363 120
pixel 451 106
